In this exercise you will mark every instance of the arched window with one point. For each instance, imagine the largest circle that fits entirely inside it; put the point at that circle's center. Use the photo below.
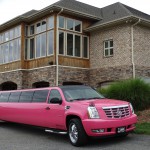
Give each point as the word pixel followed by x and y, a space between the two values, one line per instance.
pixel 6 86
pixel 40 84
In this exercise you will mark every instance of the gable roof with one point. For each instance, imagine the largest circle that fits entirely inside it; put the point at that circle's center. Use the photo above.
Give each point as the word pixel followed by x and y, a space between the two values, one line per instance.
pixel 116 12
pixel 79 7
pixel 29 13
pixel 102 16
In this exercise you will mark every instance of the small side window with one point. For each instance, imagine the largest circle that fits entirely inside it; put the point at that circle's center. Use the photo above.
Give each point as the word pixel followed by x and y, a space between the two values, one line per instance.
pixel 14 96
pixel 40 96
pixel 4 97
pixel 26 96
pixel 54 94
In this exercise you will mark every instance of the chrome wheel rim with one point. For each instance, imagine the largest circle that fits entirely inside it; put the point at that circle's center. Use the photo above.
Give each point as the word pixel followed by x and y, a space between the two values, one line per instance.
pixel 73 133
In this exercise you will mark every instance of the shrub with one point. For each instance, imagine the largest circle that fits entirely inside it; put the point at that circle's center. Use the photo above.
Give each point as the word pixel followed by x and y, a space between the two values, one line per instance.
pixel 135 91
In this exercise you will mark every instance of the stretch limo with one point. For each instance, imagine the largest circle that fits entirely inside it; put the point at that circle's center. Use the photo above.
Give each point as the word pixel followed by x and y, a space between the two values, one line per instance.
pixel 78 111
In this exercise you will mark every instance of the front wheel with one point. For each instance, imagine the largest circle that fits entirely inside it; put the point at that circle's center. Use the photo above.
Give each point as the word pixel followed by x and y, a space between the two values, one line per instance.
pixel 76 133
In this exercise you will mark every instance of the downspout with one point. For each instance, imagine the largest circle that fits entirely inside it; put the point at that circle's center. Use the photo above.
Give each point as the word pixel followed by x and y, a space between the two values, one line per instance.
pixel 57 50
pixel 132 47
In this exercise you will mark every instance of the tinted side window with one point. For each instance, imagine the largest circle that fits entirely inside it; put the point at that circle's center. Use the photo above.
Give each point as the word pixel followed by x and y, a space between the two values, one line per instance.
pixel 26 96
pixel 54 94
pixel 14 97
pixel 40 96
pixel 4 97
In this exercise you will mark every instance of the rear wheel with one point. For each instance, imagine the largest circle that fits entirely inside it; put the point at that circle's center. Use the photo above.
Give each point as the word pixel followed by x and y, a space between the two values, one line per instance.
pixel 76 132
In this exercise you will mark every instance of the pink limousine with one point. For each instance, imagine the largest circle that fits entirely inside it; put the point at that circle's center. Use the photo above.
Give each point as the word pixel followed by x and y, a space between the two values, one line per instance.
pixel 78 111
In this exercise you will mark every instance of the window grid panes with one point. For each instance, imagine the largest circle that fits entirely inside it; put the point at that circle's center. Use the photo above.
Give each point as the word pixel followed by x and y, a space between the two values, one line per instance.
pixel 108 48
pixel 10 45
pixel 71 41
pixel 41 40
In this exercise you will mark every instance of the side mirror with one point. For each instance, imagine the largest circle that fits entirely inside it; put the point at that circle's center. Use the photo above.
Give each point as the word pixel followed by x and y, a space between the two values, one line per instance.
pixel 56 100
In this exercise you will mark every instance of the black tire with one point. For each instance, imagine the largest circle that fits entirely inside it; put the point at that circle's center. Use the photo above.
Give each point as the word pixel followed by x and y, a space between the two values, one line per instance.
pixel 76 133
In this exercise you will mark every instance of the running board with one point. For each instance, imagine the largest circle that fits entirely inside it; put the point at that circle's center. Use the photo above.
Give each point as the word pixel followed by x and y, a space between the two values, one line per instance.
pixel 56 131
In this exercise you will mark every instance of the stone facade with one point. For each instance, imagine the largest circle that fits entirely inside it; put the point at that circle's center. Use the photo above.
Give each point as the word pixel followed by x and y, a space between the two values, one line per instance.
pixel 73 74
pixel 102 69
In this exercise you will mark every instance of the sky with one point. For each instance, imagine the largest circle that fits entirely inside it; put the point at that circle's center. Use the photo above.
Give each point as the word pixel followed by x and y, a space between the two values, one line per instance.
pixel 10 9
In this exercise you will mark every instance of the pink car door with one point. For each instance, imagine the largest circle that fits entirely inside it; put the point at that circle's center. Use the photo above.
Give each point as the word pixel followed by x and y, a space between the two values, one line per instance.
pixel 55 111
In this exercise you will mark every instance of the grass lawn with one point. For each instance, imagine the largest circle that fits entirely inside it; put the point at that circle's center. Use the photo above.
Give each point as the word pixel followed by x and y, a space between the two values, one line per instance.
pixel 143 128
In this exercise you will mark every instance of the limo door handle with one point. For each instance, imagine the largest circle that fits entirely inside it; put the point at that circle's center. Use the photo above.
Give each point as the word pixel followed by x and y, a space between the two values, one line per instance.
pixel 47 108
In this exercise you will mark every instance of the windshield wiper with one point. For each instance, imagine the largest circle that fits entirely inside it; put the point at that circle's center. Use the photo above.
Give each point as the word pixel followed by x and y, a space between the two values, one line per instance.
pixel 96 98
pixel 77 99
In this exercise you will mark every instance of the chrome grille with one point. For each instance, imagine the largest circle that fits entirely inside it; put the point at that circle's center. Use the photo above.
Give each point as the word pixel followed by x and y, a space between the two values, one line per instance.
pixel 117 111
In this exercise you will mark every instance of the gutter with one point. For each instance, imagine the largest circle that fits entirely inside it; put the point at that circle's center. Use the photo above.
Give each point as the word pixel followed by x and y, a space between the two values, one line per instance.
pixel 57 50
pixel 132 47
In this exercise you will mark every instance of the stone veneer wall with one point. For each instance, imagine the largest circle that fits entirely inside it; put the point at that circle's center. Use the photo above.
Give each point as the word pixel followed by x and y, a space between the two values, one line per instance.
pixel 13 76
pixel 108 74
pixel 46 74
pixel 73 74
pixel 25 78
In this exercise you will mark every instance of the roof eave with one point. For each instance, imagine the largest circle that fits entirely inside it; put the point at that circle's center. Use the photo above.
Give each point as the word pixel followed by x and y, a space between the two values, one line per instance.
pixel 65 10
pixel 42 13
pixel 12 22
pixel 117 21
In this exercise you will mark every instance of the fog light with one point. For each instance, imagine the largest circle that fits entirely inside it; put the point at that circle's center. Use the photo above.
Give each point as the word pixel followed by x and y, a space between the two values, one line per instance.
pixel 98 130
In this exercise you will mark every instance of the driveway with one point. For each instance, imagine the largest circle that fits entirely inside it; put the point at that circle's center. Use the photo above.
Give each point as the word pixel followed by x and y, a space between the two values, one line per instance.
pixel 22 137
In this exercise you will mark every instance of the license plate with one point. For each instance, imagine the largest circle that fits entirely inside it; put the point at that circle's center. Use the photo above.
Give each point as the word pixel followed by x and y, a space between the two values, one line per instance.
pixel 121 130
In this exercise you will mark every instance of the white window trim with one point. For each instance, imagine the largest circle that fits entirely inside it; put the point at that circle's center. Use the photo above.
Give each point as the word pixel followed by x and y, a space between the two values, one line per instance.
pixel 74 45
pixel 108 48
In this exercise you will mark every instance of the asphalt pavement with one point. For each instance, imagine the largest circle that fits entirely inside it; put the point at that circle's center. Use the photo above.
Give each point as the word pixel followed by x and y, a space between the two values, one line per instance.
pixel 22 137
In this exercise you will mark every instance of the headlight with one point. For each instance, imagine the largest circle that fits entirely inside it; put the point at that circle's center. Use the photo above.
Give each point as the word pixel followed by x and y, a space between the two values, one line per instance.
pixel 93 113
pixel 132 108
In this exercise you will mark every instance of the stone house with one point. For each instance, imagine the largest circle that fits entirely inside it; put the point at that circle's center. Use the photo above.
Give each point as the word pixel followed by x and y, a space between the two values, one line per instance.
pixel 70 42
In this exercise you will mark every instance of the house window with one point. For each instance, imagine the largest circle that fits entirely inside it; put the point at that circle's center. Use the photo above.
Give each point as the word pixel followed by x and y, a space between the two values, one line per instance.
pixel 77 45
pixel 26 49
pixel 41 42
pixel 50 42
pixel 51 22
pixel 70 24
pixel 61 22
pixel 32 30
pixel 69 44
pixel 31 48
pixel 1 55
pixel 61 42
pixel 78 26
pixel 108 48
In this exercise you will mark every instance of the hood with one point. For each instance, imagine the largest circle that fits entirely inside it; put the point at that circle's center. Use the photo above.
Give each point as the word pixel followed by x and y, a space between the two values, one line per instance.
pixel 102 102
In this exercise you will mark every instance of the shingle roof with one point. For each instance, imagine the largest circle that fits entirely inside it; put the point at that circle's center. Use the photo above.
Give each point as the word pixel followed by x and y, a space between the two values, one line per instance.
pixel 29 13
pixel 79 7
pixel 104 15
pixel 118 11
pixel 137 13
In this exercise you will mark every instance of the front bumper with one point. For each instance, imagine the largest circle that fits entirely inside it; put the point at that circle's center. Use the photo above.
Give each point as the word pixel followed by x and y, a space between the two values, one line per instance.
pixel 109 126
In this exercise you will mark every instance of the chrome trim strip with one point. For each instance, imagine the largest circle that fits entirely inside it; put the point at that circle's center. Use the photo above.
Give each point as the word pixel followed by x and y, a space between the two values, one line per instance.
pixel 109 107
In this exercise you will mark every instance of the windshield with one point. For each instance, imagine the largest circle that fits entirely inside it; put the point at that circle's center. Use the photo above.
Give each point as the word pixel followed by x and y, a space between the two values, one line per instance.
pixel 73 93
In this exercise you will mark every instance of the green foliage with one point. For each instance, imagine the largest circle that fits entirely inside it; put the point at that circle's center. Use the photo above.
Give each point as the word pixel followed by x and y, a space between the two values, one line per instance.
pixel 143 128
pixel 135 91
